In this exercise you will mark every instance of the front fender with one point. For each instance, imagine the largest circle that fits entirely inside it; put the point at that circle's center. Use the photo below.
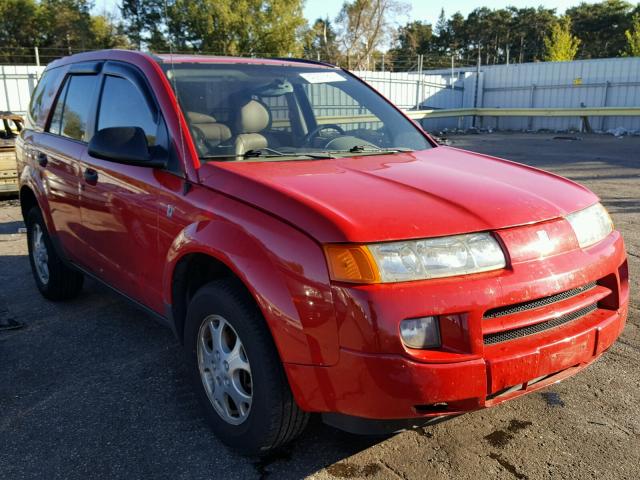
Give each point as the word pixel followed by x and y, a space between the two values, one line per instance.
pixel 284 270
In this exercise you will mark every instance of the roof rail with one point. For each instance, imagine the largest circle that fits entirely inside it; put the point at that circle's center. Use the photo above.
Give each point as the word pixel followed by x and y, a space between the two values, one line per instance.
pixel 304 60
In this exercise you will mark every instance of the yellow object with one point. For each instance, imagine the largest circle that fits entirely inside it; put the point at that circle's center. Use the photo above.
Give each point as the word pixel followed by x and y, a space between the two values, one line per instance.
pixel 351 263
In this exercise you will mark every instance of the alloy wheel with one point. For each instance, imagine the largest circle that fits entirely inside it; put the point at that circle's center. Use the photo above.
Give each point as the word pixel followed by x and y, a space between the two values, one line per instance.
pixel 39 253
pixel 224 369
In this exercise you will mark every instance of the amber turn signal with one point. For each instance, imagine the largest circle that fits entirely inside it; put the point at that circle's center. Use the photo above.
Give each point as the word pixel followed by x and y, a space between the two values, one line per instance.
pixel 351 263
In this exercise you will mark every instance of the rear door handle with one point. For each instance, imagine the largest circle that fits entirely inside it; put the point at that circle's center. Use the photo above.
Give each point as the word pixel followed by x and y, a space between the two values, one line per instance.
pixel 91 176
pixel 42 159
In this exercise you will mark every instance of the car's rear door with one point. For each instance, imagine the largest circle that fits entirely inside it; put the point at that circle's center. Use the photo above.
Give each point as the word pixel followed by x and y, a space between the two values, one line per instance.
pixel 58 151
pixel 119 206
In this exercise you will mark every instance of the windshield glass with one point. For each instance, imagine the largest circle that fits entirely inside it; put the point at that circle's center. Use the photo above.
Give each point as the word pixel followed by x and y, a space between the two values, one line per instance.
pixel 239 112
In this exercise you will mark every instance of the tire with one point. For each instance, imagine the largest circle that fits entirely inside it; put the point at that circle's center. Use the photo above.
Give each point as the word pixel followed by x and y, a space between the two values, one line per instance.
pixel 272 418
pixel 58 282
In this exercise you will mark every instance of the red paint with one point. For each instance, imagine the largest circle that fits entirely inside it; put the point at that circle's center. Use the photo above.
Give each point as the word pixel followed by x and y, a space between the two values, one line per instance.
pixel 339 343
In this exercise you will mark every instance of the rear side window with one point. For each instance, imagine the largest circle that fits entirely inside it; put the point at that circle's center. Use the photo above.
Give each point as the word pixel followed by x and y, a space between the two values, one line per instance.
pixel 71 116
pixel 123 105
pixel 42 98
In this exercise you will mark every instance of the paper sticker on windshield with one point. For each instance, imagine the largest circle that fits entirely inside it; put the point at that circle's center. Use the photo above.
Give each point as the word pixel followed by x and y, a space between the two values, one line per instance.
pixel 323 77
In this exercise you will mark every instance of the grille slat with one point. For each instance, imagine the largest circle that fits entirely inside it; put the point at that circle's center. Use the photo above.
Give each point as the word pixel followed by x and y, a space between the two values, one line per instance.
pixel 538 327
pixel 540 302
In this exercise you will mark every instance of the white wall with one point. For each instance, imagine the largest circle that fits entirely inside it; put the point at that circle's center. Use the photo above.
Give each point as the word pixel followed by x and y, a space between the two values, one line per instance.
pixel 409 90
pixel 16 84
pixel 592 83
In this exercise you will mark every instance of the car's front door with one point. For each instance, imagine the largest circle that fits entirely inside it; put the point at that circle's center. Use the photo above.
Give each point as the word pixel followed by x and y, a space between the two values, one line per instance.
pixel 118 202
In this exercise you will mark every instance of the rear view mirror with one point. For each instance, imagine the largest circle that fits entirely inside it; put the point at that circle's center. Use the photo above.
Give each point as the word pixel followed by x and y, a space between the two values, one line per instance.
pixel 127 145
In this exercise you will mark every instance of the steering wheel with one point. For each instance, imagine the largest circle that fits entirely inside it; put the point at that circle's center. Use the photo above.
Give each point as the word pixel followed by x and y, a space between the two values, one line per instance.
pixel 314 133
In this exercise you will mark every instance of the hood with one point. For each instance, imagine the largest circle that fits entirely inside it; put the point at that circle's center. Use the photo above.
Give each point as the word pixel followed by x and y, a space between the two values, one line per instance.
pixel 442 191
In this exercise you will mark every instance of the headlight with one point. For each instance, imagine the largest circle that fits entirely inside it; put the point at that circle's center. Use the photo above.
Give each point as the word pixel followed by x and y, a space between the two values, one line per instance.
pixel 415 259
pixel 591 224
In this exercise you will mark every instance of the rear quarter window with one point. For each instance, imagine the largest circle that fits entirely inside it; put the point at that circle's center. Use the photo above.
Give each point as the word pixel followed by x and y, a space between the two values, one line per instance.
pixel 42 98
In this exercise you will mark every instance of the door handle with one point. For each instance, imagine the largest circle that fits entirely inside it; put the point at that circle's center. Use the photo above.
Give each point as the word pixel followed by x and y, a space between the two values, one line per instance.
pixel 91 176
pixel 42 159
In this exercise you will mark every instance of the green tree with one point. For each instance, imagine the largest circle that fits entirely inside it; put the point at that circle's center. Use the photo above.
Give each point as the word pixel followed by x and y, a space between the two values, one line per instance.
pixel 633 38
pixel 496 34
pixel 280 26
pixel 320 42
pixel 107 33
pixel 364 25
pixel 601 27
pixel 143 23
pixel 477 28
pixel 456 37
pixel 65 26
pixel 561 45
pixel 17 30
pixel 530 27
pixel 413 39
pixel 231 27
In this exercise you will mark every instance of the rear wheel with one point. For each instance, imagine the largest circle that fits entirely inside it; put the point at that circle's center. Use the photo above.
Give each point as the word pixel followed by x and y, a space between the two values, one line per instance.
pixel 237 372
pixel 54 279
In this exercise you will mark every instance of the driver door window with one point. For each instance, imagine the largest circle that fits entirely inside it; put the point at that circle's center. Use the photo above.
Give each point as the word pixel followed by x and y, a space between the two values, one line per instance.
pixel 122 105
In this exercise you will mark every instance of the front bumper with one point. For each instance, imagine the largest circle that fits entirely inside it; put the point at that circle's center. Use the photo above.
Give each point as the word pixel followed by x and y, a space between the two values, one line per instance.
pixel 377 378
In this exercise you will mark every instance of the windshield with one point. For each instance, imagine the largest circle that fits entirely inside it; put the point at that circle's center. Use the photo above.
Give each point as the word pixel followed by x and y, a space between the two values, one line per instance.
pixel 240 112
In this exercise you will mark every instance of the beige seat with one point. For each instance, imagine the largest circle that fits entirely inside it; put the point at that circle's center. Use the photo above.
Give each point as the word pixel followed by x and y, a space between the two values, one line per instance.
pixel 213 131
pixel 254 118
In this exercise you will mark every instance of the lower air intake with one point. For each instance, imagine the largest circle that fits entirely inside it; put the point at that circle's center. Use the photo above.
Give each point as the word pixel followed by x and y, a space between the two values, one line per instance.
pixel 507 335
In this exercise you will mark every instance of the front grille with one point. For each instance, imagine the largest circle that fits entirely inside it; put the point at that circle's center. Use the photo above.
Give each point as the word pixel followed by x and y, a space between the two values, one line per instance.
pixel 506 335
pixel 541 302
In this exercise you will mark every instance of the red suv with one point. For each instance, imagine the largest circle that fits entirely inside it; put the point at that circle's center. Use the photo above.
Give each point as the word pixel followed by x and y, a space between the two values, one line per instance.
pixel 310 246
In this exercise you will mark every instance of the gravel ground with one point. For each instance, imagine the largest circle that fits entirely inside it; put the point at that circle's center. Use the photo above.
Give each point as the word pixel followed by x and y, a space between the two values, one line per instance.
pixel 96 389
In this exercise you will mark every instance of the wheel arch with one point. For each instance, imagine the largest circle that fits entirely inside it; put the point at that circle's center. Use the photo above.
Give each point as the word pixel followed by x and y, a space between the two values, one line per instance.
pixel 32 195
pixel 192 271
pixel 28 200
pixel 283 272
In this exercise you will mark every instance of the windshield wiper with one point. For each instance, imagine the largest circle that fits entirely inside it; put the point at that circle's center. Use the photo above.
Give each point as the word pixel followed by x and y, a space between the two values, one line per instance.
pixel 276 153
pixel 373 149
pixel 267 152
pixel 364 148
pixel 314 155
pixel 259 153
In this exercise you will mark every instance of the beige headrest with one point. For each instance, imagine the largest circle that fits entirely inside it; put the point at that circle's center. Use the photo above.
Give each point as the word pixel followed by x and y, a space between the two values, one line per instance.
pixel 197 117
pixel 215 132
pixel 254 117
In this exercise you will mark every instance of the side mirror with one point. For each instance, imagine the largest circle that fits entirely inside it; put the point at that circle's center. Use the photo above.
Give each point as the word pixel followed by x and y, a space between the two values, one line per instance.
pixel 126 145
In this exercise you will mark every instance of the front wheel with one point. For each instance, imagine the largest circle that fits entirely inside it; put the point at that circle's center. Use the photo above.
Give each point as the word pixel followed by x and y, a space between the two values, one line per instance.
pixel 237 372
